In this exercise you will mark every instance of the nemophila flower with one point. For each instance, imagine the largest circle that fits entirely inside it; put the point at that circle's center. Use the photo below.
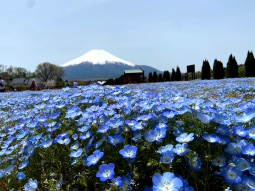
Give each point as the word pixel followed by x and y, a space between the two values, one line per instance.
pixel 240 131
pixel 177 131
pixel 203 117
pixel 219 161
pixel 169 113
pixel 20 175
pixel 221 119
pixel 75 136
pixel 138 126
pixel 94 158
pixel 167 157
pixel 244 118
pixel 231 174
pixel 185 137
pixel 249 181
pixel 31 185
pixel 163 149
pixel 23 164
pixel 103 129
pixel 2 173
pixel 252 169
pixel 251 132
pixel 181 149
pixel 106 171
pixel 75 146
pixel 160 133
pixel 185 186
pixel 47 143
pixel 84 128
pixel 29 149
pixel 233 149
pixel 115 139
pixel 223 140
pixel 85 136
pixel 77 153
pixel 128 151
pixel 211 138
pixel 9 169
pixel 150 135
pixel 248 149
pixel 89 144
pixel 117 181
pixel 126 180
pixel 223 130
pixel 242 164
pixel 137 136
pixel 161 125
pixel 166 182
pixel 195 163
pixel 242 187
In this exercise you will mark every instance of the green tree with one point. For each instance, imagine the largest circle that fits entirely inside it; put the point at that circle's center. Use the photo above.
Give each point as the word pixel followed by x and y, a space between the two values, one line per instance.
pixel 178 75
pixel 150 77
pixel 173 76
pixel 164 76
pixel 160 78
pixel 155 76
pixel 206 70
pixel 47 71
pixel 218 70
pixel 232 67
pixel 249 65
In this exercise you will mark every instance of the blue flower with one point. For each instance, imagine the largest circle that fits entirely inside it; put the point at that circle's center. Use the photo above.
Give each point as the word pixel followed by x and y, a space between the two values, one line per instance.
pixel 29 149
pixel 47 143
pixel 31 185
pixel 160 133
pixel 117 181
pixel 162 149
pixel 106 171
pixel 75 136
pixel 211 138
pixel 240 131
pixel 9 169
pixel 137 136
pixel 203 117
pixel 249 181
pixel 2 173
pixel 242 164
pixel 181 149
pixel 95 157
pixel 233 149
pixel 128 151
pixel 150 135
pixel 167 157
pixel 195 163
pixel 167 181
pixel 223 140
pixel 248 149
pixel 185 137
pixel 23 164
pixel 219 161
pixel 115 139
pixel 222 129
pixel 231 174
pixel 20 175
pixel 77 153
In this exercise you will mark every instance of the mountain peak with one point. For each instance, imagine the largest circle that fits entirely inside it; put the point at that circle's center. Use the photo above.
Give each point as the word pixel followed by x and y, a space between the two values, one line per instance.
pixel 97 57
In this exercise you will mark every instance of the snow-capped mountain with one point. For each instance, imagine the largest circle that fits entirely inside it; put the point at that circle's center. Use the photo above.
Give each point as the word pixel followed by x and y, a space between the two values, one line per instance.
pixel 97 57
pixel 100 64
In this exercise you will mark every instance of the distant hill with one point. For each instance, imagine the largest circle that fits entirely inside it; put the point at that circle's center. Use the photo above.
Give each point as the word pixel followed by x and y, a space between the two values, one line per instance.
pixel 100 64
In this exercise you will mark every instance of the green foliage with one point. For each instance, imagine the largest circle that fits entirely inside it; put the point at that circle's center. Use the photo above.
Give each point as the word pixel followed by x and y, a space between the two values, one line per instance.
pixel 173 75
pixel 155 76
pixel 178 75
pixel 249 65
pixel 232 67
pixel 206 70
pixel 150 77
pixel 218 71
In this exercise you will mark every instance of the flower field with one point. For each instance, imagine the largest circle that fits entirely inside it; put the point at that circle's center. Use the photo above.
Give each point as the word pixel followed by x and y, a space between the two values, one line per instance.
pixel 196 135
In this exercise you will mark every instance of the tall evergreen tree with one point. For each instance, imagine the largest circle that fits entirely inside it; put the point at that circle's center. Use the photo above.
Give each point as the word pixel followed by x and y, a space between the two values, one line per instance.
pixel 232 67
pixel 168 76
pixel 173 75
pixel 218 70
pixel 178 75
pixel 206 70
pixel 150 77
pixel 249 65
pixel 164 76
pixel 160 78
pixel 155 76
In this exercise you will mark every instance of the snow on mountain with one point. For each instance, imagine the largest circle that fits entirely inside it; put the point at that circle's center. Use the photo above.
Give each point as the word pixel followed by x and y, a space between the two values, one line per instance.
pixel 97 57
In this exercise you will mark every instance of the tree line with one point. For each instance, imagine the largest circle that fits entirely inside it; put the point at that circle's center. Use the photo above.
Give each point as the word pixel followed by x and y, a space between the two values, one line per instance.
pixel 232 70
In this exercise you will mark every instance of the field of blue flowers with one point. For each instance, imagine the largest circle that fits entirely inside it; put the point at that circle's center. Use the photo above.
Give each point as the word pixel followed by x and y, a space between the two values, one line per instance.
pixel 196 135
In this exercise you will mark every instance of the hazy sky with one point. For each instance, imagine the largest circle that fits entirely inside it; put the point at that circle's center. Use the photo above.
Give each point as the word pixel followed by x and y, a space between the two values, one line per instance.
pixel 158 33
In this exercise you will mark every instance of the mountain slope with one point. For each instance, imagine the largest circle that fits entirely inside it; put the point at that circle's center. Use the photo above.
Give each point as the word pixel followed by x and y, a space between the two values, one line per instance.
pixel 100 64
